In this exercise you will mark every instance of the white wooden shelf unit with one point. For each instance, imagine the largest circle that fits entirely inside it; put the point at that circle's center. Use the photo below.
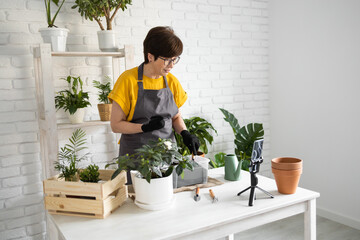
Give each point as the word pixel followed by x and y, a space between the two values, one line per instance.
pixel 45 94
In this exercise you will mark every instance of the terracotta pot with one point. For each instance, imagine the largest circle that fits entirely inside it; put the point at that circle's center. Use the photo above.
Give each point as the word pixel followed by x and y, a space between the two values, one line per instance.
pixel 286 163
pixel 287 180
pixel 105 111
pixel 201 154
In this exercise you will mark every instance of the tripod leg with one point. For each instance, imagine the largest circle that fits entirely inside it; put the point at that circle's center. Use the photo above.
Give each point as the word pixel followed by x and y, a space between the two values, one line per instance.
pixel 267 193
pixel 252 194
pixel 243 191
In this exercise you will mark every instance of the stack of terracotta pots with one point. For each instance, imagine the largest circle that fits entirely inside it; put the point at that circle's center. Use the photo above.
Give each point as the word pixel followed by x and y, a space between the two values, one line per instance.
pixel 287 171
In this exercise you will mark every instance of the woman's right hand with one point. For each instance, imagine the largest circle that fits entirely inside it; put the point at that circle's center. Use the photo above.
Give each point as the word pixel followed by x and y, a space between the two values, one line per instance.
pixel 155 123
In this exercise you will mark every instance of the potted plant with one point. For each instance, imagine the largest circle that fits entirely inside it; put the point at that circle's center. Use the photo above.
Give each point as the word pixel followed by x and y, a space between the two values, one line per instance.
pixel 104 106
pixel 244 138
pixel 52 34
pixel 201 129
pixel 95 10
pixel 90 174
pixel 152 179
pixel 68 156
pixel 73 100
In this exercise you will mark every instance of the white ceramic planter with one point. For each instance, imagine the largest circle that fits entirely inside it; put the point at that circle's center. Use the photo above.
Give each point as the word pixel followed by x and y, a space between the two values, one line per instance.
pixel 156 195
pixel 56 36
pixel 77 117
pixel 107 41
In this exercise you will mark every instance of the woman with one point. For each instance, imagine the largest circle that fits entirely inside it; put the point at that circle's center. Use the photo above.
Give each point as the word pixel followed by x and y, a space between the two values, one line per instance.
pixel 146 99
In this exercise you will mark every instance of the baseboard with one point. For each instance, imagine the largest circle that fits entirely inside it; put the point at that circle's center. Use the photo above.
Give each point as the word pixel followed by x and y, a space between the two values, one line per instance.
pixel 354 223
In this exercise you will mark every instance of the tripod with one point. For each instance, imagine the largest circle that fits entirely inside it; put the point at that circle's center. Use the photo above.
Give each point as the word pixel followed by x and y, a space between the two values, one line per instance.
pixel 254 168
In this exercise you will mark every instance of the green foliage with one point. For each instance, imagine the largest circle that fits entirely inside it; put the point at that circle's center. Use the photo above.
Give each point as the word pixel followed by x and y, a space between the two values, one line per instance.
pixel 244 137
pixel 68 158
pixel 200 128
pixel 153 160
pixel 90 174
pixel 104 90
pixel 73 98
pixel 219 160
pixel 51 21
pixel 96 9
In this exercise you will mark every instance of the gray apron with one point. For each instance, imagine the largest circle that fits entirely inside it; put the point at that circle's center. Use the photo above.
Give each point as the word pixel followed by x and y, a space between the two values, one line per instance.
pixel 150 103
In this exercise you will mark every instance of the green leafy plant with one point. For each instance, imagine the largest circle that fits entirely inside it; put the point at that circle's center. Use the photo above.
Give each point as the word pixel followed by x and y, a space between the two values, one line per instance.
pixel 244 137
pixel 201 129
pixel 219 160
pixel 96 9
pixel 90 174
pixel 51 21
pixel 73 98
pixel 153 160
pixel 104 90
pixel 68 156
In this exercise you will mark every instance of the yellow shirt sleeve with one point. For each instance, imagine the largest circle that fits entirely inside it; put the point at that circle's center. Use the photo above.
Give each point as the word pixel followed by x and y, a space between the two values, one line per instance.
pixel 125 90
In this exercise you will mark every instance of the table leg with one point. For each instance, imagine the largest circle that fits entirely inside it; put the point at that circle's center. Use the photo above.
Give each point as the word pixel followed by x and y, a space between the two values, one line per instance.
pixel 230 237
pixel 310 220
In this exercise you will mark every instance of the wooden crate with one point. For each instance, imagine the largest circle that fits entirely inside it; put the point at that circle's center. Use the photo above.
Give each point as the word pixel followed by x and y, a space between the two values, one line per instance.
pixel 94 200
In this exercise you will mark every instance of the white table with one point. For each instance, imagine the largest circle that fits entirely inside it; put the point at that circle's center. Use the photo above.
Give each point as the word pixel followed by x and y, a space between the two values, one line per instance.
pixel 188 219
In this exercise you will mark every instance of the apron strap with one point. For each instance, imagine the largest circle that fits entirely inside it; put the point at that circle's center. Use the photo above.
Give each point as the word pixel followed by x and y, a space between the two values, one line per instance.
pixel 140 77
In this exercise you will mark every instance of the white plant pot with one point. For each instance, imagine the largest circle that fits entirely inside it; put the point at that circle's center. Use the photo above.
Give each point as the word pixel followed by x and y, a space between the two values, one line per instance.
pixel 156 195
pixel 107 41
pixel 77 117
pixel 56 36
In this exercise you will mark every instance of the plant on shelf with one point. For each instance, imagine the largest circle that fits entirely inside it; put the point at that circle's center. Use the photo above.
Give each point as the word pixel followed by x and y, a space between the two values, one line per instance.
pixel 104 106
pixel 244 138
pixel 95 10
pixel 90 174
pixel 68 156
pixel 52 34
pixel 219 160
pixel 153 160
pixel 73 100
pixel 201 129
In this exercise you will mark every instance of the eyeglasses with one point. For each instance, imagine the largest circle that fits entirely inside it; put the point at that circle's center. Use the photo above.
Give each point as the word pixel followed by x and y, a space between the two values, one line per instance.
pixel 167 61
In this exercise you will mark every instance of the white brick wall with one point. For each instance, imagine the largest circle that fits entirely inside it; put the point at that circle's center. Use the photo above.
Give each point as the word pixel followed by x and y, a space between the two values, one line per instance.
pixel 224 64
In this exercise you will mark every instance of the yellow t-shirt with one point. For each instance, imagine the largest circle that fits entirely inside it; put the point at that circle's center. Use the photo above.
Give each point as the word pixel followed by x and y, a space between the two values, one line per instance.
pixel 125 90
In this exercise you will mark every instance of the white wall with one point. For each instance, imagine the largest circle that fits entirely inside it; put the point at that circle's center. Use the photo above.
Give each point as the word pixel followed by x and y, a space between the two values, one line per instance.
pixel 315 111
pixel 224 64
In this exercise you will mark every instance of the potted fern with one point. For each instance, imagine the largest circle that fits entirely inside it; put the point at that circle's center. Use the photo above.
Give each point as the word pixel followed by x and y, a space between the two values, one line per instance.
pixel 95 10
pixel 68 156
pixel 245 137
pixel 73 100
pixel 53 34
pixel 104 106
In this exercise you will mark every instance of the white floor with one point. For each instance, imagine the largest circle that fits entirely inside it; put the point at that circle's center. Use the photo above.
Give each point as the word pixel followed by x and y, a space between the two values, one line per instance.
pixel 293 229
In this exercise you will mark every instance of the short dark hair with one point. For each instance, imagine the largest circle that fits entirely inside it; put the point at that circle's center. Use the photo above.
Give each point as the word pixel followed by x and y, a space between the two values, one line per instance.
pixel 162 41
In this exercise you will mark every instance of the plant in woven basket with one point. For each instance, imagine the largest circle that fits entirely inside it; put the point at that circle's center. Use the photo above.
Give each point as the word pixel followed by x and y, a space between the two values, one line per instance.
pixel 201 129
pixel 73 98
pixel 68 156
pixel 154 160
pixel 90 174
pixel 244 138
pixel 104 106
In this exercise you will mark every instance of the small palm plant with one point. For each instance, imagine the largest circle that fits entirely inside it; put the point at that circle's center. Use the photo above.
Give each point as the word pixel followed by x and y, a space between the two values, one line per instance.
pixel 244 138
pixel 68 158
pixel 201 129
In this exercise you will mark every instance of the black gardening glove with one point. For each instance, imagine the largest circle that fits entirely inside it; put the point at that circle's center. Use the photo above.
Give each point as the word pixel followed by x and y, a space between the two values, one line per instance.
pixel 191 141
pixel 156 122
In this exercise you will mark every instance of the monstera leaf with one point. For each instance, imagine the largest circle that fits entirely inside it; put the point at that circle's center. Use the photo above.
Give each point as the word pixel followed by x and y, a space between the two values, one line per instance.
pixel 244 137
